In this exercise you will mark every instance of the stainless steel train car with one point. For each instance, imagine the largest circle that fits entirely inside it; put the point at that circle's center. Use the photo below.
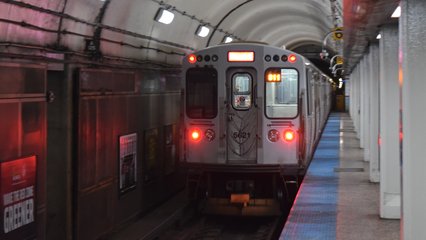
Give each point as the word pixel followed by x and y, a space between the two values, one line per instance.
pixel 252 117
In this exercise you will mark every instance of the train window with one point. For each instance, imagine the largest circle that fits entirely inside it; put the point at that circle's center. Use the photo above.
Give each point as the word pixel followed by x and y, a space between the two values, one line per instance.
pixel 241 91
pixel 201 93
pixel 308 91
pixel 282 97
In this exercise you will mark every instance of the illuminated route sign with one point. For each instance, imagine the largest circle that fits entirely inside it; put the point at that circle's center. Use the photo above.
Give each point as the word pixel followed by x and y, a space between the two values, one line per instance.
pixel 17 189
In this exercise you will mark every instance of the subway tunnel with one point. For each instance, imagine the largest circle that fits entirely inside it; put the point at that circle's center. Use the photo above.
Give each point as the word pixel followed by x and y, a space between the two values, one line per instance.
pixel 92 102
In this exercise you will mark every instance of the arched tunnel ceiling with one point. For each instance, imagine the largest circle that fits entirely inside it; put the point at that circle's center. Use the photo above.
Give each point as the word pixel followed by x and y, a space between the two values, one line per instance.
pixel 123 26
pixel 363 19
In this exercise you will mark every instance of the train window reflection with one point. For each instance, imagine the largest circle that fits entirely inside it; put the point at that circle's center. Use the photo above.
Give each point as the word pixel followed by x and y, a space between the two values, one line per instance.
pixel 282 97
pixel 201 93
pixel 241 91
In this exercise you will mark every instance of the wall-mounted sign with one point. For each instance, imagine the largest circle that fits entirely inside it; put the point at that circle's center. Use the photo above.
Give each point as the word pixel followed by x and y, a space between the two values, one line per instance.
pixel 18 207
pixel 339 60
pixel 170 149
pixel 127 168
pixel 338 33
pixel 151 155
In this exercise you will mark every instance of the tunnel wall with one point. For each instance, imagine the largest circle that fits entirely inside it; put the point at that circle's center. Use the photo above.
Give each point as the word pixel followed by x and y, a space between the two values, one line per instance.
pixel 23 150
pixel 111 104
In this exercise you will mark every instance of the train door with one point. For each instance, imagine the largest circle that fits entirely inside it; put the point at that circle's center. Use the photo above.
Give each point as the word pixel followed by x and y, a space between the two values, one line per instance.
pixel 317 108
pixel 310 122
pixel 241 115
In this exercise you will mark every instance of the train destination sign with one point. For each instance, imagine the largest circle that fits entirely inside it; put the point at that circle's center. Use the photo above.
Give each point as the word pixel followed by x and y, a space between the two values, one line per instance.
pixel 17 189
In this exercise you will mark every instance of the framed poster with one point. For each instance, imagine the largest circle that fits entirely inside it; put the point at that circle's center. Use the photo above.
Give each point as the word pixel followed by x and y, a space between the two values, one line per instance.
pixel 151 155
pixel 127 162
pixel 18 200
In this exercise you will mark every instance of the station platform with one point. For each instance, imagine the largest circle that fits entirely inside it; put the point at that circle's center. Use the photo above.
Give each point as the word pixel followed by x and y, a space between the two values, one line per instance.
pixel 336 199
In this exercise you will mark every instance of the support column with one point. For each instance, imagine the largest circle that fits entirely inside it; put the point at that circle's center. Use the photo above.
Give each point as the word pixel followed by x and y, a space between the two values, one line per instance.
pixel 413 51
pixel 361 101
pixel 355 116
pixel 358 101
pixel 374 112
pixel 366 108
pixel 349 89
pixel 390 199
pixel 352 95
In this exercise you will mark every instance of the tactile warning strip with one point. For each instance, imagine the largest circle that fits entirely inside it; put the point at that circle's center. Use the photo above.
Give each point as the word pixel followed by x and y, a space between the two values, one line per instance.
pixel 314 211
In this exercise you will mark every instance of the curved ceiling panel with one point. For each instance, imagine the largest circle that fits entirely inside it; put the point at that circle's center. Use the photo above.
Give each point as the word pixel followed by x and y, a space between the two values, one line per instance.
pixel 258 19
pixel 128 29
pixel 14 18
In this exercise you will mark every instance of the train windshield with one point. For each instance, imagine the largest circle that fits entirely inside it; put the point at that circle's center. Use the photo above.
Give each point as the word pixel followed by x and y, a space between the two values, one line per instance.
pixel 241 91
pixel 201 93
pixel 281 96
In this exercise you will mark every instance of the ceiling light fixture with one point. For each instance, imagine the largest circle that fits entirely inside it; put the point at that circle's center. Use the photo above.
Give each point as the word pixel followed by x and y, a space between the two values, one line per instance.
pixel 396 13
pixel 202 31
pixel 228 39
pixel 379 36
pixel 164 16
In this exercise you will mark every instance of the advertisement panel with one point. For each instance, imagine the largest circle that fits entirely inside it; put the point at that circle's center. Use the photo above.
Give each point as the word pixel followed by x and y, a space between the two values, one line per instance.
pixel 18 189
pixel 127 152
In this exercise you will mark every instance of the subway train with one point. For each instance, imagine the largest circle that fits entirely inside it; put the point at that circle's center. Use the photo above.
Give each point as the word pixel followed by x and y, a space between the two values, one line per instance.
pixel 253 114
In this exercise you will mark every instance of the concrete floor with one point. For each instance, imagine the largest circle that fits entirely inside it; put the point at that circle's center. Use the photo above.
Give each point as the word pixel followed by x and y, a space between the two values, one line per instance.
pixel 358 208
pixel 336 199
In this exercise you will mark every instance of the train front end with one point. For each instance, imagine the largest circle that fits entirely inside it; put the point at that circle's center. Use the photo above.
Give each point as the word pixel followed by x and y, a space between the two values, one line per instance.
pixel 242 127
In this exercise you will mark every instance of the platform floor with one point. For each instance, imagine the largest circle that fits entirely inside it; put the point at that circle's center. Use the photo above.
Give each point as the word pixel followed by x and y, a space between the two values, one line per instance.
pixel 336 199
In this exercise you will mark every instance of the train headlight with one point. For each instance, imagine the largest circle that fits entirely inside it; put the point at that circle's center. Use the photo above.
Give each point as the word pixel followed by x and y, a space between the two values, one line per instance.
pixel 289 135
pixel 273 135
pixel 192 58
pixel 195 135
pixel 210 134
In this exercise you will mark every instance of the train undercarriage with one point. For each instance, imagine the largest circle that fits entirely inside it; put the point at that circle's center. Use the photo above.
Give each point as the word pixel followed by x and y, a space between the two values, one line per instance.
pixel 243 190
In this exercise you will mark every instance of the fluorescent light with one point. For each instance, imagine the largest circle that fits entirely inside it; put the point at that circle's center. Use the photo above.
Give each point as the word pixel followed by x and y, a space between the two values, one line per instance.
pixel 228 39
pixel 164 16
pixel 202 31
pixel 396 13
pixel 379 36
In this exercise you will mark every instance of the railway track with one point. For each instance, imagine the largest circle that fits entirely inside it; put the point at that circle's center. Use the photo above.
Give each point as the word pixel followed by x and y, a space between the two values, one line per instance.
pixel 226 227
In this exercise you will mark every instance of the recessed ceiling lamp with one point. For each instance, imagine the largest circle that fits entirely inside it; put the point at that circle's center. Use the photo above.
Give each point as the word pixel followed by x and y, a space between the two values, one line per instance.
pixel 202 31
pixel 164 16
pixel 396 13
pixel 379 36
pixel 228 39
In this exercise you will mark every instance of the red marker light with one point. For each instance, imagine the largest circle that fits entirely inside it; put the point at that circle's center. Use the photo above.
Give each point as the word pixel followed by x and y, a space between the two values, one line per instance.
pixel 192 58
pixel 292 58
pixel 289 135
pixel 195 134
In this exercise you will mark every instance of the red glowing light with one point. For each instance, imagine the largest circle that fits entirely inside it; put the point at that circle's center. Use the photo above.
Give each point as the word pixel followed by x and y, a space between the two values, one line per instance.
pixel 292 58
pixel 192 58
pixel 289 135
pixel 195 135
